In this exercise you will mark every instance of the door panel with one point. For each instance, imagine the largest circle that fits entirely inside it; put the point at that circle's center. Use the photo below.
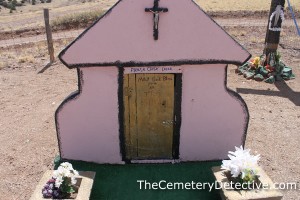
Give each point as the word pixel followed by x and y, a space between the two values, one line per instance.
pixel 149 114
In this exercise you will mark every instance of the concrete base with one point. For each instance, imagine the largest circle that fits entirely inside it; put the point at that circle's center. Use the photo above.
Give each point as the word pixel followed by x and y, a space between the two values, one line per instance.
pixel 255 194
pixel 86 180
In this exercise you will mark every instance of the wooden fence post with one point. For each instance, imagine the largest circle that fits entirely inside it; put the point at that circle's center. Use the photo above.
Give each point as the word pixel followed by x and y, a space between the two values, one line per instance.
pixel 49 35
pixel 274 26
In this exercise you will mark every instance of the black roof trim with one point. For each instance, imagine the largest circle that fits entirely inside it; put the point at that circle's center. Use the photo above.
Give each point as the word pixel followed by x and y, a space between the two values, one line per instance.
pixel 157 63
pixel 153 63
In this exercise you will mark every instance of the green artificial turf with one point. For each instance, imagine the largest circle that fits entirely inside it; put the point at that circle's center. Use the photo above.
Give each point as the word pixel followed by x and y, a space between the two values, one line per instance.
pixel 119 182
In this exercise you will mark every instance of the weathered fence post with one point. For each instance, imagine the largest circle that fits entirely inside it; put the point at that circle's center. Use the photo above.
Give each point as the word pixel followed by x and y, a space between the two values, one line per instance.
pixel 276 17
pixel 49 35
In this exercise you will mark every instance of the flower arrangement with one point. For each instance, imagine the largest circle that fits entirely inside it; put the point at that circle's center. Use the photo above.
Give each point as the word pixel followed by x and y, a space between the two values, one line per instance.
pixel 266 68
pixel 242 165
pixel 62 182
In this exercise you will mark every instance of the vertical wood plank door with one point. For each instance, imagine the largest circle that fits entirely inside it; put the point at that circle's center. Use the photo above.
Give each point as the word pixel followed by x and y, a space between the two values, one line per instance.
pixel 148 115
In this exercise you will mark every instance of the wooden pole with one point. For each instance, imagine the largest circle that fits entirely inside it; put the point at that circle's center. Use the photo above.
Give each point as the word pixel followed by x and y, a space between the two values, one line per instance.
pixel 273 36
pixel 49 35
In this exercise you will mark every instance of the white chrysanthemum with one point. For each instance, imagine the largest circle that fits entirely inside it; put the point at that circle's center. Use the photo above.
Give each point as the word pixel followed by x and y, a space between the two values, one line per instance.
pixel 67 165
pixel 73 181
pixel 55 174
pixel 58 181
pixel 240 161
pixel 75 172
pixel 64 170
pixel 61 171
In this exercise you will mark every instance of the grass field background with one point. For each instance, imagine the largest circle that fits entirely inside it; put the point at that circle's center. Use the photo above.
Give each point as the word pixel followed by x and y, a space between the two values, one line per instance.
pixel 235 5
pixel 31 16
pixel 67 6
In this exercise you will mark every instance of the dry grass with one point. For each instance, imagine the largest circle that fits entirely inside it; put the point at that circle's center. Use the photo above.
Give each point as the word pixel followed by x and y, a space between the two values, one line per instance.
pixel 33 15
pixel 26 59
pixel 2 65
pixel 76 20
pixel 41 48
pixel 8 54
pixel 254 39
pixel 235 5
pixel 30 54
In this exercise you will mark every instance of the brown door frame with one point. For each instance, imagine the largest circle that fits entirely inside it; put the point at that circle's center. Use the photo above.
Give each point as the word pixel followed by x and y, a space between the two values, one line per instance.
pixel 177 115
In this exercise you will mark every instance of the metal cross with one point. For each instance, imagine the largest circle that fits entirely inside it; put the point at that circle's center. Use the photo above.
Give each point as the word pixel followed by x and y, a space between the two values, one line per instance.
pixel 156 10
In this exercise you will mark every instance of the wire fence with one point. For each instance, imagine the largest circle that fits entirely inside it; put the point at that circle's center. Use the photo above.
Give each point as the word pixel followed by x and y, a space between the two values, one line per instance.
pixel 18 33
pixel 31 31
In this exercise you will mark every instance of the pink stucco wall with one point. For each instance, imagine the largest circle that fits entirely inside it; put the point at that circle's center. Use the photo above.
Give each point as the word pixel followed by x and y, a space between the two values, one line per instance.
pixel 88 125
pixel 126 34
pixel 213 121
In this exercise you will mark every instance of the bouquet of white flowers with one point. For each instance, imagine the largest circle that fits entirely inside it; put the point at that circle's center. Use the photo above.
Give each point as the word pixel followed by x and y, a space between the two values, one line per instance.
pixel 62 182
pixel 242 165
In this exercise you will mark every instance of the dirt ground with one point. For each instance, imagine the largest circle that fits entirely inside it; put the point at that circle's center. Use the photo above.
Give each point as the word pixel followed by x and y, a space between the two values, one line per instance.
pixel 28 100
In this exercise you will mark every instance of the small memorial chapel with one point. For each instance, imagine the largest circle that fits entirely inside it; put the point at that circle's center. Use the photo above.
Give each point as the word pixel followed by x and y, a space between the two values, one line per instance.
pixel 152 87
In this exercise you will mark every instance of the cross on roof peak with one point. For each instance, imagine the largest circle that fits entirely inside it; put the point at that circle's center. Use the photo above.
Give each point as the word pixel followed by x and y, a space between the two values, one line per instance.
pixel 156 10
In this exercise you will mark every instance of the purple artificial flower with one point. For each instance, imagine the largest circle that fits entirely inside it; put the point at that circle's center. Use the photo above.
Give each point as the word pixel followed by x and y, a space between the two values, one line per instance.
pixel 50 191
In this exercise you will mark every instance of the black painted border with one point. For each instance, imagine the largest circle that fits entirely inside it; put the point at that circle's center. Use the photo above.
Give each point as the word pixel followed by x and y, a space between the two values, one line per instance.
pixel 243 104
pixel 242 47
pixel 154 63
pixel 177 114
pixel 83 33
pixel 72 96
pixel 121 66
pixel 121 116
pixel 178 102
pixel 158 63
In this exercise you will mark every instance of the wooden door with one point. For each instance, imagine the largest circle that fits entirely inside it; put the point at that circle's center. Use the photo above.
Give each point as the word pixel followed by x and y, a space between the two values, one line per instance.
pixel 148 115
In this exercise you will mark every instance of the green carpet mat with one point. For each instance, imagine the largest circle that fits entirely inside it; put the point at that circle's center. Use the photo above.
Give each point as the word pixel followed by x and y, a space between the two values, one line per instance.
pixel 119 182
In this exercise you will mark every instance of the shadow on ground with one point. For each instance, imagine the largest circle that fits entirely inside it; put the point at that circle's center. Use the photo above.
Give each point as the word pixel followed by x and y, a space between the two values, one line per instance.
pixel 284 91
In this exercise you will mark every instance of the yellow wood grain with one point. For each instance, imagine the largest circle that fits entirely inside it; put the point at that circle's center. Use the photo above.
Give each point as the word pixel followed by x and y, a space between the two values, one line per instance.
pixel 130 127
pixel 149 123
pixel 133 117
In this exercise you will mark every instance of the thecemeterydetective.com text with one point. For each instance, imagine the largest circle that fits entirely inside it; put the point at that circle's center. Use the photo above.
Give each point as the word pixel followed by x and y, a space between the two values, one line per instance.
pixel 192 185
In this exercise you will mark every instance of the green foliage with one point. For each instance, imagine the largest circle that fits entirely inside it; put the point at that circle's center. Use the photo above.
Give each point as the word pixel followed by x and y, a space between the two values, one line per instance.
pixel 274 69
pixel 11 4
pixel 4 4
pixel 14 3
pixel 249 177
pixel 66 187
pixel 277 57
